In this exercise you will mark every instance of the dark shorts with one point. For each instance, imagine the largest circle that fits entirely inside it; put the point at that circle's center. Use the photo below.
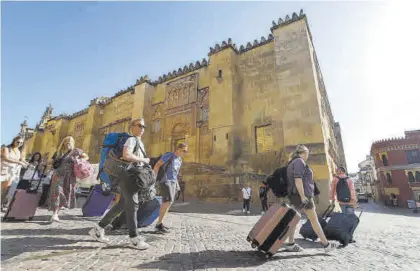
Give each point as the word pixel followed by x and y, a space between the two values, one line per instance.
pixel 297 203
pixel 168 191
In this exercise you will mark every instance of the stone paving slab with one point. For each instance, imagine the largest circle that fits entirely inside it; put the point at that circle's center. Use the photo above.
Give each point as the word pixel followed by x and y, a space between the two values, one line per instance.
pixel 211 240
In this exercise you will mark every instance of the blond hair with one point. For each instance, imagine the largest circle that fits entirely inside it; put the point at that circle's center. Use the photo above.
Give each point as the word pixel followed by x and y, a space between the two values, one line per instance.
pixel 62 148
pixel 298 151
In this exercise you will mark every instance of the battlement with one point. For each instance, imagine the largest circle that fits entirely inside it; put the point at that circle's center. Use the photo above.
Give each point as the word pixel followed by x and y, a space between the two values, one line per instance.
pixel 388 140
pixel 287 20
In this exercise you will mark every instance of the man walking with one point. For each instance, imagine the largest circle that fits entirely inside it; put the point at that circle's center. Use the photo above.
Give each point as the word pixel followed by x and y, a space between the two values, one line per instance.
pixel 171 162
pixel 246 196
pixel 342 188
pixel 264 197
pixel 133 151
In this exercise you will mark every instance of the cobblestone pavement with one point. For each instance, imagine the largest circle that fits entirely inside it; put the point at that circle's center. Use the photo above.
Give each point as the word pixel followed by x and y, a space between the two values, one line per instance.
pixel 212 239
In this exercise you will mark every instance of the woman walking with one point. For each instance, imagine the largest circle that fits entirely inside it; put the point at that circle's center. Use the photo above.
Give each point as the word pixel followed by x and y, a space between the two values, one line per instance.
pixel 11 163
pixel 33 171
pixel 63 181
pixel 301 187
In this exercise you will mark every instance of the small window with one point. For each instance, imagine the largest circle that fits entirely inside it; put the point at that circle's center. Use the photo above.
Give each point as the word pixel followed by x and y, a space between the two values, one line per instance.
pixel 220 74
pixel 411 178
pixel 227 136
pixel 385 160
pixel 214 138
pixel 418 176
pixel 388 178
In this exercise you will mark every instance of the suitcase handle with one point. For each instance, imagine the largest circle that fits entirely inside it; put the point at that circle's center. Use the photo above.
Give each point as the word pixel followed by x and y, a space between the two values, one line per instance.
pixel 361 212
pixel 327 212
pixel 39 181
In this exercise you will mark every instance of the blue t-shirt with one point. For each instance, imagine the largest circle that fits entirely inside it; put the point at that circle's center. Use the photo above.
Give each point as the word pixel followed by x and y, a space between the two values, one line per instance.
pixel 173 168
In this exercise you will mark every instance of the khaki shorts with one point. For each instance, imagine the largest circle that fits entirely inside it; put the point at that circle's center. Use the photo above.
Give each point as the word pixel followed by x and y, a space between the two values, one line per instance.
pixel 297 203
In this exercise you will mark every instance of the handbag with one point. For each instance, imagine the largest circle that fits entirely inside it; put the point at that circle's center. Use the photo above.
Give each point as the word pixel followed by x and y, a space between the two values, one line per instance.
pixel 141 177
pixel 82 168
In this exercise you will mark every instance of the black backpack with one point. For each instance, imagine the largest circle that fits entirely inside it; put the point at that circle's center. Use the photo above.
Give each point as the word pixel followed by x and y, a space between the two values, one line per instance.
pixel 343 190
pixel 277 182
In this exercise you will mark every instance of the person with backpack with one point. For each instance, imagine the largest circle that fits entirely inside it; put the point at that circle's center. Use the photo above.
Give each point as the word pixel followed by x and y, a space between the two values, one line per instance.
pixel 264 197
pixel 167 170
pixel 301 191
pixel 343 189
pixel 132 151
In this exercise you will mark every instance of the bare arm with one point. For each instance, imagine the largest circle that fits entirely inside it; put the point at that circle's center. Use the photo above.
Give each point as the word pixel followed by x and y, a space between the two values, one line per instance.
pixel 130 157
pixel 157 166
pixel 5 157
pixel 299 186
pixel 84 156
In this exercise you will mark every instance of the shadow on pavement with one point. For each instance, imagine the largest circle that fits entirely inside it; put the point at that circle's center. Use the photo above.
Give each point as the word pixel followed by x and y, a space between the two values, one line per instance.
pixel 228 208
pixel 215 259
pixel 41 232
pixel 12 247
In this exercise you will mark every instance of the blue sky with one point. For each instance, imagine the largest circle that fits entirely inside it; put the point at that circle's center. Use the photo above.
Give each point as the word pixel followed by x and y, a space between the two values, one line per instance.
pixel 67 53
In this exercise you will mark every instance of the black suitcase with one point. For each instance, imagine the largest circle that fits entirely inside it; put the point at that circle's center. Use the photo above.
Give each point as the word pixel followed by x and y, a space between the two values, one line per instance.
pixel 341 227
pixel 308 232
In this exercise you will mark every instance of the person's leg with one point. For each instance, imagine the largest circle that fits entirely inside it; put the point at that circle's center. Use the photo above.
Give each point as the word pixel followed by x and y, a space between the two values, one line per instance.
pixel 243 205
pixel 265 204
pixel 167 191
pixel 313 218
pixel 248 203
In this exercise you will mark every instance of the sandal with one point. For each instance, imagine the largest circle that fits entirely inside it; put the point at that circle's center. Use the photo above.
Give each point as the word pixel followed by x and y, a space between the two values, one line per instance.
pixel 294 248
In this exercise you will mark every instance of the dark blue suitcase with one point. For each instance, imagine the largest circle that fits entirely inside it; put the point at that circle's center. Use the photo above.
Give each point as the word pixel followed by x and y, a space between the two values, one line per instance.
pixel 341 227
pixel 146 215
pixel 308 232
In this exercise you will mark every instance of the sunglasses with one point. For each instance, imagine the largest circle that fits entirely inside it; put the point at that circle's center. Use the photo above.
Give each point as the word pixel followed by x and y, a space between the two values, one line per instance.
pixel 141 126
pixel 20 142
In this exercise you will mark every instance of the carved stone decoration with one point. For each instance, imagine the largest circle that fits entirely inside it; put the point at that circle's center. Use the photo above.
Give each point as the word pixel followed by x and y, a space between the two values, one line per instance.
pixel 224 44
pixel 270 37
pixel 204 62
pixel 197 64
pixel 229 41
pixel 274 24
pixel 256 43
pixel 294 16
pixel 280 21
pixel 203 97
pixel 217 48
pixel 157 111
pixel 242 48
pixel 191 67
pixel 178 92
pixel 248 45
pixel 287 18
pixel 263 39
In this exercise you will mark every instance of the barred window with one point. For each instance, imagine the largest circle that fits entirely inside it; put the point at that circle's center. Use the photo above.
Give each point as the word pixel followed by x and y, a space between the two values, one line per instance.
pixel 264 138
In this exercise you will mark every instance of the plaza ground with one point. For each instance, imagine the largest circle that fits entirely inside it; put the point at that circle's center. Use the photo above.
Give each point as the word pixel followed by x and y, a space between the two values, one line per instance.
pixel 206 236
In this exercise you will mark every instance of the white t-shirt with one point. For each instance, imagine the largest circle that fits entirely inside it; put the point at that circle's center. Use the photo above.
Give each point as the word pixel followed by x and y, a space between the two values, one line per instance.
pixel 246 193
pixel 131 143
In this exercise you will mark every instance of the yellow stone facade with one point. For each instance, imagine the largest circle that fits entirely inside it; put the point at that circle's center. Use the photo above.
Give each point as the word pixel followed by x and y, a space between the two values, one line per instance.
pixel 241 112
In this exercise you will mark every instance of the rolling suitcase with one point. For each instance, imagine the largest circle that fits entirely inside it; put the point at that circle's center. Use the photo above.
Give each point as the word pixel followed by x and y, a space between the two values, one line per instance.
pixel 271 230
pixel 24 202
pixel 341 227
pixel 308 232
pixel 97 202
pixel 147 214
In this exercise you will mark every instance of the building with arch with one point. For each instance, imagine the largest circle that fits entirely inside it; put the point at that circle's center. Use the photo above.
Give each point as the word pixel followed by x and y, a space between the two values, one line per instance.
pixel 242 112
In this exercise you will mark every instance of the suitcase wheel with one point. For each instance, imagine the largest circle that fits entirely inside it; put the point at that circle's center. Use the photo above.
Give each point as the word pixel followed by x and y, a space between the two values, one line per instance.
pixel 31 218
pixel 268 255
pixel 248 239
pixel 254 245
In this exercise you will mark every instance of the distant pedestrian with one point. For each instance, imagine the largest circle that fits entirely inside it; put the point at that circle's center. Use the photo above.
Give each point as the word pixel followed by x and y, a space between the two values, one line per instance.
pixel 181 184
pixel 342 188
pixel 264 197
pixel 246 196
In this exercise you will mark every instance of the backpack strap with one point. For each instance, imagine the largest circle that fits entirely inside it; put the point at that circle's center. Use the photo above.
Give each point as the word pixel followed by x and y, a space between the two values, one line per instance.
pixel 139 146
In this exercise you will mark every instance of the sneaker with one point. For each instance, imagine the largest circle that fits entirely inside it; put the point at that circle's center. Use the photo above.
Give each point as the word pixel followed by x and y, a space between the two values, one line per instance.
pixel 263 213
pixel 161 228
pixel 330 247
pixel 248 212
pixel 243 210
pixel 293 248
pixel 138 243
pixel 109 228
pixel 54 218
pixel 98 233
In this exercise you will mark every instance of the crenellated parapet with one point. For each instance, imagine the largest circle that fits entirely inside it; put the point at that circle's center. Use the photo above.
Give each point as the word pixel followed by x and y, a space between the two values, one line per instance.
pixel 124 91
pixel 182 71
pixel 79 113
pixel 143 79
pixel 225 45
pixel 287 20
